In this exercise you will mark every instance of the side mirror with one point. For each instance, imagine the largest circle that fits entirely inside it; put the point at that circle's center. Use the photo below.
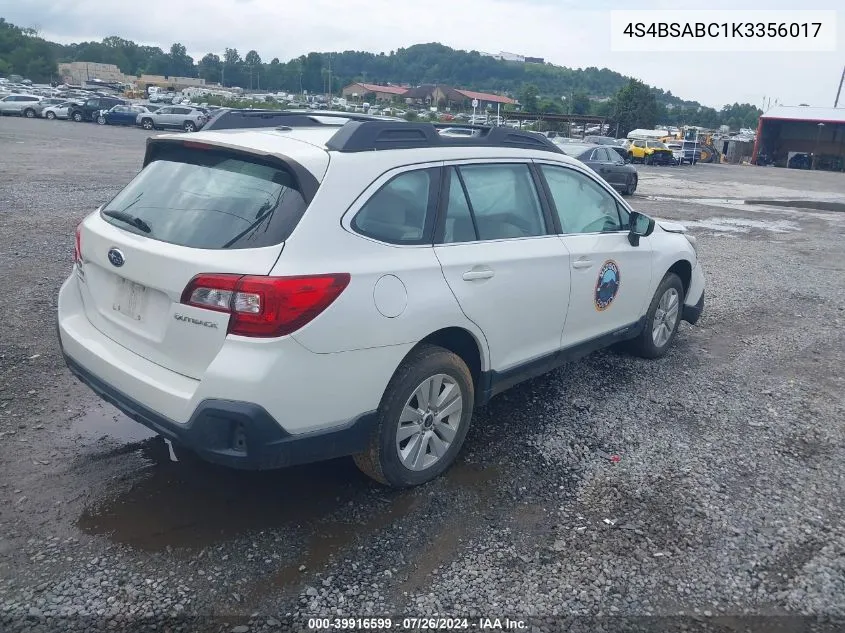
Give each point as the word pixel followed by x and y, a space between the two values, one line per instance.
pixel 640 226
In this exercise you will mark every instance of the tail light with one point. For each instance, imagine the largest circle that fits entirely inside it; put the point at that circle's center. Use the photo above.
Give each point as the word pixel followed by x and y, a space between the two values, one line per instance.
pixel 77 246
pixel 265 306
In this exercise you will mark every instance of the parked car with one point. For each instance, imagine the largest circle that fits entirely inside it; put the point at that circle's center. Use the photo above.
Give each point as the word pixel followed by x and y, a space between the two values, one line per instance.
pixel 251 303
pixel 59 111
pixel 38 108
pixel 121 115
pixel 650 153
pixel 181 117
pixel 607 164
pixel 677 152
pixel 610 142
pixel 22 105
pixel 692 151
pixel 464 132
pixel 90 109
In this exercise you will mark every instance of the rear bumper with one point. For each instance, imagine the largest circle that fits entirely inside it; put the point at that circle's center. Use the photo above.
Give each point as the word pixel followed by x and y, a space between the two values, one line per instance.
pixel 238 434
pixel 259 406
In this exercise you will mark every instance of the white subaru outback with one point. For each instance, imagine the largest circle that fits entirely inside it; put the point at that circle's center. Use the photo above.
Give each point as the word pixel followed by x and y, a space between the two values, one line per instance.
pixel 279 296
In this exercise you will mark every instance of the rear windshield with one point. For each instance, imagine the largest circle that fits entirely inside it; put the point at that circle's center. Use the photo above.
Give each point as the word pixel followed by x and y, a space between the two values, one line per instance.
pixel 209 199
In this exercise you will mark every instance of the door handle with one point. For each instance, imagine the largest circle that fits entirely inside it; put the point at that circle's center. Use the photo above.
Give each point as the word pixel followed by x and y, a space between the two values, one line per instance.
pixel 582 263
pixel 473 275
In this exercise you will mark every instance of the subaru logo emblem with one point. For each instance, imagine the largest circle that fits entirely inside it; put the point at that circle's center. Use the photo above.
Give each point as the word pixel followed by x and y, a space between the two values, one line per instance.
pixel 116 257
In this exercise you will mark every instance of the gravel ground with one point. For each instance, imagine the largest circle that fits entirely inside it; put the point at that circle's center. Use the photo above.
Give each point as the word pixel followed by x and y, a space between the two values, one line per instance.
pixel 702 491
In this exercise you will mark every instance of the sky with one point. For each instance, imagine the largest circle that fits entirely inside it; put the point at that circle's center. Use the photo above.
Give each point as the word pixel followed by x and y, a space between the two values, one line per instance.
pixel 561 31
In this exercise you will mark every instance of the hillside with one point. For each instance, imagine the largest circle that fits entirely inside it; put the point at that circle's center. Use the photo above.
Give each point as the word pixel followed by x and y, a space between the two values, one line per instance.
pixel 543 85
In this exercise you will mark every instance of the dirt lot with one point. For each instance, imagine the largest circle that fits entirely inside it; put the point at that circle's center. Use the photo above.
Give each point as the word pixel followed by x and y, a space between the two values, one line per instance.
pixel 727 499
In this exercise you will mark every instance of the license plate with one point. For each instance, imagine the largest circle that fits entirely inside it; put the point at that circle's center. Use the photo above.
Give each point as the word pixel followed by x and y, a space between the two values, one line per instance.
pixel 130 299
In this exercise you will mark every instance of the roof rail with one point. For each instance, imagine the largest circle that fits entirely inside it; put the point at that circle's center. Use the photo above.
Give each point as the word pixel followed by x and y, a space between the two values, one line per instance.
pixel 235 118
pixel 364 136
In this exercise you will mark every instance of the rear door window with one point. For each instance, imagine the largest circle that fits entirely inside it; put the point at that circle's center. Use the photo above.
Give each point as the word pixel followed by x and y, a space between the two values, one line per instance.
pixel 209 199
pixel 503 200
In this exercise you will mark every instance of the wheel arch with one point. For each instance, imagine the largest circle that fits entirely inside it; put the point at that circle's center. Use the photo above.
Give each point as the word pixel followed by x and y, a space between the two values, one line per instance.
pixel 465 344
pixel 683 269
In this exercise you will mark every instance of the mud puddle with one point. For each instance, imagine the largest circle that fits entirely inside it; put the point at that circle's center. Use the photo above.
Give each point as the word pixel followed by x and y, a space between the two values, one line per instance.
pixel 322 510
pixel 107 424
pixel 330 538
pixel 445 542
pixel 191 504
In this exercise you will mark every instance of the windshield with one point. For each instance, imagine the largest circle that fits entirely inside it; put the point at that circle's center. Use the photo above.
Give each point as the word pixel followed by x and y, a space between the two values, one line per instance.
pixel 573 149
pixel 656 145
pixel 209 199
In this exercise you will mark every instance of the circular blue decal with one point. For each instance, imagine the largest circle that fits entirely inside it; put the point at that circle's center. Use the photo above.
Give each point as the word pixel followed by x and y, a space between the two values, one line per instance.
pixel 607 286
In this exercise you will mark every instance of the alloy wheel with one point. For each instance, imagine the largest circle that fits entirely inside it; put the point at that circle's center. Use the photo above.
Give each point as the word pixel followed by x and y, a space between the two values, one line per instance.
pixel 429 422
pixel 665 317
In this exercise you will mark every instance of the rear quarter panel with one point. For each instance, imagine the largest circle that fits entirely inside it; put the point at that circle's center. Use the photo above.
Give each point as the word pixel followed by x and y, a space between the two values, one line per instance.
pixel 406 279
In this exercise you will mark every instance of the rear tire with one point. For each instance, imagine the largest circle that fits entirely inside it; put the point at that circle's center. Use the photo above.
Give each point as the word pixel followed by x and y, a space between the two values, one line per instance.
pixel 413 427
pixel 77 117
pixel 662 319
pixel 29 113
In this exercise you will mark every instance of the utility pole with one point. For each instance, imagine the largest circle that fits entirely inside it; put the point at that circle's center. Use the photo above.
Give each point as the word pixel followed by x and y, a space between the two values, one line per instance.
pixel 329 96
pixel 839 92
pixel 816 150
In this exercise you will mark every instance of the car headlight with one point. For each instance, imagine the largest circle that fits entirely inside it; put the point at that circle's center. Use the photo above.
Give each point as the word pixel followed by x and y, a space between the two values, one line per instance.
pixel 693 242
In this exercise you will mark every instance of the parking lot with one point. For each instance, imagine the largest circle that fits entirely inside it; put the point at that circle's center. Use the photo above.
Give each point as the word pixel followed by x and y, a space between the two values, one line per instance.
pixel 708 483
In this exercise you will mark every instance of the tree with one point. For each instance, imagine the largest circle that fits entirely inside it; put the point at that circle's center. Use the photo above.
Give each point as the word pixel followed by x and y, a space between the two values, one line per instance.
pixel 634 106
pixel 22 52
pixel 253 59
pixel 208 68
pixel 529 98
pixel 181 64
pixel 580 103
pixel 232 67
pixel 253 62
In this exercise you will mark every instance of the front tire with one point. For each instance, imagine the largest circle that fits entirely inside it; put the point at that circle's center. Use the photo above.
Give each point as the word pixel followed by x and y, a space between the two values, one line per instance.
pixel 51 115
pixel 631 185
pixel 101 120
pixel 147 124
pixel 189 126
pixel 423 419
pixel 662 319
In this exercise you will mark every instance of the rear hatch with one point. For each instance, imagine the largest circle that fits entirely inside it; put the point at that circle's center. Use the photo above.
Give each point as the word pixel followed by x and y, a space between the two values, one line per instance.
pixel 193 209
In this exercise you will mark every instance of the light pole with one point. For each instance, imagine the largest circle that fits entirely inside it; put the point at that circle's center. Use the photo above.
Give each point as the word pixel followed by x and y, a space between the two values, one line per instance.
pixel 818 139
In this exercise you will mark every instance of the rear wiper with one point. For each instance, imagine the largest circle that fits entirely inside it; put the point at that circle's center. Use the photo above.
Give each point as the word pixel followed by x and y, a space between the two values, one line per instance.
pixel 130 219
pixel 264 212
